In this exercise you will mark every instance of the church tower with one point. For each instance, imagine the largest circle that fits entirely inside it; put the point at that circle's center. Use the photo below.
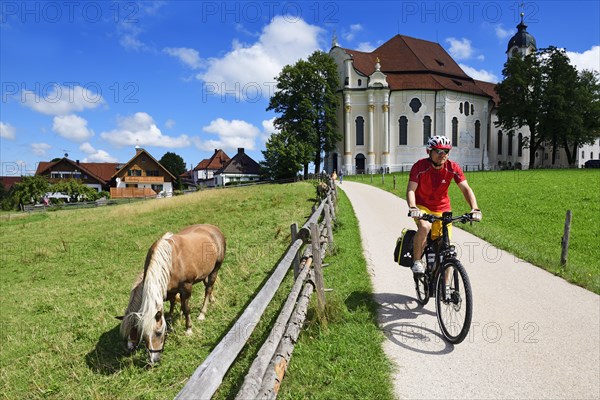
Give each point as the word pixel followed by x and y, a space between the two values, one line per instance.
pixel 522 43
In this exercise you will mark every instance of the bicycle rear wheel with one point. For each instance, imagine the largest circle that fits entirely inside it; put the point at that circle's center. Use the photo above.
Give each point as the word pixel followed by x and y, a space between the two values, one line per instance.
pixel 422 289
pixel 454 302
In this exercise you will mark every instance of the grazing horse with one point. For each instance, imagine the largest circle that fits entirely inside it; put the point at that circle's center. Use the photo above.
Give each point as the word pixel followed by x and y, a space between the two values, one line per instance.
pixel 173 264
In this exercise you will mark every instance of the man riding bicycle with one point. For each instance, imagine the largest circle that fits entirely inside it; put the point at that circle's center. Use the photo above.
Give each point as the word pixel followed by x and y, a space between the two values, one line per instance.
pixel 427 192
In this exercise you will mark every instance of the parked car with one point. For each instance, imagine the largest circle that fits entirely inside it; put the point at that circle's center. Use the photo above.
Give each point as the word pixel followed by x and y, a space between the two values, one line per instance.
pixel 592 164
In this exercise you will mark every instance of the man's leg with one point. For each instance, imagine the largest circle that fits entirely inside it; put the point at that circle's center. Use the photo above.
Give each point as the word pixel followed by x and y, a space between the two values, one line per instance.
pixel 419 242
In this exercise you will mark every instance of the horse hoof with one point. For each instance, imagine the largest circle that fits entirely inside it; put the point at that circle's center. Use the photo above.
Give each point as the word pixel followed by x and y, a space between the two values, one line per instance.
pixel 201 317
pixel 188 332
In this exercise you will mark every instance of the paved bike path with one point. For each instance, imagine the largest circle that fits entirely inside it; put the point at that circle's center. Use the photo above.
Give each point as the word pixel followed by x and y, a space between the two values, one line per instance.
pixel 533 335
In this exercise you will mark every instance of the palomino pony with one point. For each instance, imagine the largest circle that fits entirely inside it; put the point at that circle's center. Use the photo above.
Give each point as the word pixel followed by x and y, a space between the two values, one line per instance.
pixel 174 263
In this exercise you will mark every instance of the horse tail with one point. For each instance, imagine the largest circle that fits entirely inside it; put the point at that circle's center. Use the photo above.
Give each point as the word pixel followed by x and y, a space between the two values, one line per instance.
pixel 157 273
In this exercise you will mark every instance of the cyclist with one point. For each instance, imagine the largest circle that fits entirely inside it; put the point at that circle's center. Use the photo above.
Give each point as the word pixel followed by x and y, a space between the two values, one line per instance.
pixel 427 191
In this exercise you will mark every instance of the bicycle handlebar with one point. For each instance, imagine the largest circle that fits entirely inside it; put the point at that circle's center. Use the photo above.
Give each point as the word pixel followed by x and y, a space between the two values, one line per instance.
pixel 466 217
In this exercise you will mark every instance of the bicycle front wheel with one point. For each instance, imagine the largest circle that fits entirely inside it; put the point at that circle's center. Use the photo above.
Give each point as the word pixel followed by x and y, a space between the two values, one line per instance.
pixel 454 302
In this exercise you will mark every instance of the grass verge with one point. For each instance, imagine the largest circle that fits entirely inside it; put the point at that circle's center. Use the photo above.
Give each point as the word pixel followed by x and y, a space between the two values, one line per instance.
pixel 524 214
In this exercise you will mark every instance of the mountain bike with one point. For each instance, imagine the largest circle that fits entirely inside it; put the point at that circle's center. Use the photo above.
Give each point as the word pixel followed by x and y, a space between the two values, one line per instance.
pixel 446 279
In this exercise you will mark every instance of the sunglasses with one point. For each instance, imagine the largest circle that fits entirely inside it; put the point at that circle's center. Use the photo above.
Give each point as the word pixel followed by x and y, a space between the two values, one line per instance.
pixel 441 151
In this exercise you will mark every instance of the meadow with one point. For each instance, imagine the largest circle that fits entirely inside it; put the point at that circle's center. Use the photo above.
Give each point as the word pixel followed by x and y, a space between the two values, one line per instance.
pixel 65 275
pixel 524 213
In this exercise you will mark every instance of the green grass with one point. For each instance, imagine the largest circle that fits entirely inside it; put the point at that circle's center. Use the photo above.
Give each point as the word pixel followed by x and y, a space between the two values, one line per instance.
pixel 66 274
pixel 524 214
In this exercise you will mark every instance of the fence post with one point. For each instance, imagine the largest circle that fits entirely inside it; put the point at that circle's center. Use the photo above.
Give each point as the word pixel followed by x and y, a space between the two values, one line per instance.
pixel 565 240
pixel 318 268
pixel 382 179
pixel 394 182
pixel 296 261
pixel 329 230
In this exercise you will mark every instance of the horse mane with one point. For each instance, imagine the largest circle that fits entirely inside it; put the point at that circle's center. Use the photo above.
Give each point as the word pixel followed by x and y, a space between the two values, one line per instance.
pixel 156 279
pixel 132 311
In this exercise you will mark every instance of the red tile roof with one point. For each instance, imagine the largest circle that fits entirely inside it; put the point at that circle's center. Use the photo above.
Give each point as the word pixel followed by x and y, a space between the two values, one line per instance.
pixel 100 171
pixel 411 63
pixel 217 161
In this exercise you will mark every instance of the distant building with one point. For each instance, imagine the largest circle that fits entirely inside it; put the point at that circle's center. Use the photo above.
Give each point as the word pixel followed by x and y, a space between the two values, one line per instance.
pixel 94 175
pixel 240 169
pixel 397 96
pixel 204 172
pixel 142 176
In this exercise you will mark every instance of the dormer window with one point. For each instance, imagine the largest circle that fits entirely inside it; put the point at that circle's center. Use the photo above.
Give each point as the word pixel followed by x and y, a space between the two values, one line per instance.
pixel 441 64
pixel 457 83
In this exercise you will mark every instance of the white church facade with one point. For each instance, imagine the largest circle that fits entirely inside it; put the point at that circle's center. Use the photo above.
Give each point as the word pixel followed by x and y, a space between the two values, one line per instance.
pixel 407 90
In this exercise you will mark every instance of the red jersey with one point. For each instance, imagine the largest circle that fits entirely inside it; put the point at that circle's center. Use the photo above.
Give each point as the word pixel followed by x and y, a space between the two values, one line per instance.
pixel 432 191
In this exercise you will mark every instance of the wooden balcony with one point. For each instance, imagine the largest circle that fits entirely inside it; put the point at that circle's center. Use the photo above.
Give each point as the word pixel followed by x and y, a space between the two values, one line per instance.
pixel 145 179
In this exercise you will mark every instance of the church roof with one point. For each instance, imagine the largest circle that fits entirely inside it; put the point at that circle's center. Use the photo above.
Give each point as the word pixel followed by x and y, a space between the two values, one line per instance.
pixel 411 63
pixel 522 38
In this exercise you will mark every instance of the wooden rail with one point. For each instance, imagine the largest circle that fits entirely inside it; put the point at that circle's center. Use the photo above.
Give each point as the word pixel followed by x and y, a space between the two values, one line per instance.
pixel 267 370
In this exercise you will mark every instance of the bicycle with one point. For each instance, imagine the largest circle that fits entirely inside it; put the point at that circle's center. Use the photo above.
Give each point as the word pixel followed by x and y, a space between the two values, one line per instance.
pixel 446 279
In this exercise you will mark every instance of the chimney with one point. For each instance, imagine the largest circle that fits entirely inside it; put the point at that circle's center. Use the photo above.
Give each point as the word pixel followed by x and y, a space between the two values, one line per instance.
pixel 240 150
pixel 77 162
pixel 138 149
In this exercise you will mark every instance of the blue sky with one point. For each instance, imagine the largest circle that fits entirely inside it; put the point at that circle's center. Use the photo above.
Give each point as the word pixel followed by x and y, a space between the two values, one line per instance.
pixel 94 79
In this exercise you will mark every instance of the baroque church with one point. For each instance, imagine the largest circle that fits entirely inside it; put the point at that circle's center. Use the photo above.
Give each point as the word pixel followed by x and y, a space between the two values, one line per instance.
pixel 407 90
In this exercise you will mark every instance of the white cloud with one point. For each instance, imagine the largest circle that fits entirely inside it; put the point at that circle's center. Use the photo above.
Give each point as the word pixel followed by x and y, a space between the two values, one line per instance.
pixel 95 155
pixel 502 33
pixel 40 149
pixel 140 129
pixel 479 74
pixel 61 100
pixel 7 131
pixel 253 68
pixel 460 49
pixel 231 135
pixel 589 59
pixel 367 47
pixel 189 57
pixel 72 127
pixel 169 124
pixel 354 29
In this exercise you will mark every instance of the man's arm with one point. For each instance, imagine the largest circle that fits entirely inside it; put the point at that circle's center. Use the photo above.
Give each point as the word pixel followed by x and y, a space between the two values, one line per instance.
pixel 468 193
pixel 410 194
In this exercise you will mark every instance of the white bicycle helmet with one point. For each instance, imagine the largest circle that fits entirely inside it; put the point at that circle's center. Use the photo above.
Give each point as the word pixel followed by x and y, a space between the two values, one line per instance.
pixel 439 142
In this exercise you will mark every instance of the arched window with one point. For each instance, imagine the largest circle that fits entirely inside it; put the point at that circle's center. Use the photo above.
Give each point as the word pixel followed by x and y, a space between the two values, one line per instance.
pixel 520 145
pixel 403 131
pixel 510 143
pixel 360 131
pixel 467 108
pixel 477 134
pixel 582 155
pixel 454 131
pixel 460 108
pixel 426 129
pixel 359 163
pixel 360 82
pixel 499 142
pixel 472 109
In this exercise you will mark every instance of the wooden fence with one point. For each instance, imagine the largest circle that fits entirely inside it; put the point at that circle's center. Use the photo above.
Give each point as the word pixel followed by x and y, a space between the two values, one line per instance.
pixel 266 372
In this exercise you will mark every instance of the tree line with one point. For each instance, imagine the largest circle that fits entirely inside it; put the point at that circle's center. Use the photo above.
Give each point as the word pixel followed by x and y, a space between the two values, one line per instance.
pixel 544 92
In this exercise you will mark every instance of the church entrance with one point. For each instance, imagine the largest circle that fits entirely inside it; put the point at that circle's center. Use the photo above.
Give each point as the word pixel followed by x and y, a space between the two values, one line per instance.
pixel 360 163
pixel 335 163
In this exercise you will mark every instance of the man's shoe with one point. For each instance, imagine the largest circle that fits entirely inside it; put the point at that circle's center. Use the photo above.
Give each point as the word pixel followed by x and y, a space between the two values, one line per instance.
pixel 418 267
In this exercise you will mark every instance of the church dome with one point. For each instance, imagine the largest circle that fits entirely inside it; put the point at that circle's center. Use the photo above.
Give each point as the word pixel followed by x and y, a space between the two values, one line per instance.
pixel 521 39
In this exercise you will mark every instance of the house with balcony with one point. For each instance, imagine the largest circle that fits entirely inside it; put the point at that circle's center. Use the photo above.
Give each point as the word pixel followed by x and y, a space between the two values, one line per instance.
pixel 142 176
pixel 95 175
